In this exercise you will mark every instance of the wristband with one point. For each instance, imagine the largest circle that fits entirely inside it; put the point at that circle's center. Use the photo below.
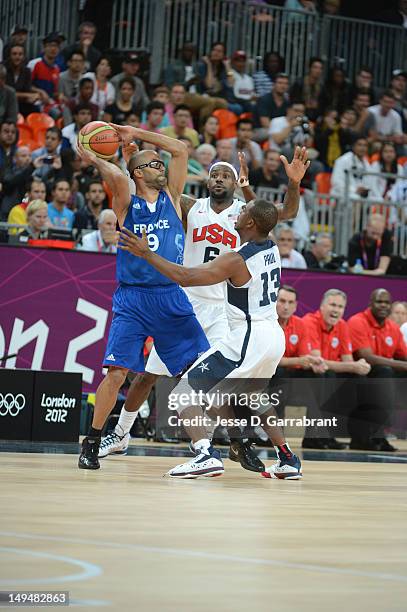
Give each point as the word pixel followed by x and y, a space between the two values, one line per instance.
pixel 244 183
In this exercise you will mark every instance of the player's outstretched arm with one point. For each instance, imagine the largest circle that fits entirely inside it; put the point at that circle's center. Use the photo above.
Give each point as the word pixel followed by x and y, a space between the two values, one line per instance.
pixel 177 167
pixel 295 172
pixel 114 177
pixel 243 180
pixel 210 273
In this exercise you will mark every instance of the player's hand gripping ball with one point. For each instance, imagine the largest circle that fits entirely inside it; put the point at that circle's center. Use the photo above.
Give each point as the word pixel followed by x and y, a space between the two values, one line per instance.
pixel 100 138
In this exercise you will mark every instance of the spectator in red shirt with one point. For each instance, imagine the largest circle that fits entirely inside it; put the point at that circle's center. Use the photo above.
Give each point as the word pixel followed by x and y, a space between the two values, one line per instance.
pixel 378 340
pixel 44 70
pixel 298 363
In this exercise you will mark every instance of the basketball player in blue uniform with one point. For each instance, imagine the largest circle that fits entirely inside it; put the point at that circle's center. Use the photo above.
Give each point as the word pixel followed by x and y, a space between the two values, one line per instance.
pixel 146 303
pixel 255 343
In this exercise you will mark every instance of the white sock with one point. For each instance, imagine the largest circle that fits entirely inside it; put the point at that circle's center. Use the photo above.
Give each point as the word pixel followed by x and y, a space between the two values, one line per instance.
pixel 125 422
pixel 202 445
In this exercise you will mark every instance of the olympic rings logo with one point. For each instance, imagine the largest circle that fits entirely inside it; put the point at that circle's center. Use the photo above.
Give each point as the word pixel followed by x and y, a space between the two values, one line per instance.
pixel 11 404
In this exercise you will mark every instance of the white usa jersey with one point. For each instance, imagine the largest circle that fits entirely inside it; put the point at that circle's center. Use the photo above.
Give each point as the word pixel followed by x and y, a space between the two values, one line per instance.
pixel 256 300
pixel 210 234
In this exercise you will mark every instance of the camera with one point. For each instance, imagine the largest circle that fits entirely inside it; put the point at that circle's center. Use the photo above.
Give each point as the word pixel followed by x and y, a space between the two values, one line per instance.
pixel 49 159
pixel 303 123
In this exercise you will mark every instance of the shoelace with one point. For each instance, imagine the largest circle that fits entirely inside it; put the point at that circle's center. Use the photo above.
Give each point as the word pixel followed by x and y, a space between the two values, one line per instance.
pixel 110 438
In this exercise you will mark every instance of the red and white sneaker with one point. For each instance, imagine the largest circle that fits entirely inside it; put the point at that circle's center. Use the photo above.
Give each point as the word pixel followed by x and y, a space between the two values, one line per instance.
pixel 287 469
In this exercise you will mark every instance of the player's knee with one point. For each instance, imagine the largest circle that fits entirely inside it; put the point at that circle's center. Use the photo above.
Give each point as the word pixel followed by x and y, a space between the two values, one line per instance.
pixel 146 380
pixel 116 377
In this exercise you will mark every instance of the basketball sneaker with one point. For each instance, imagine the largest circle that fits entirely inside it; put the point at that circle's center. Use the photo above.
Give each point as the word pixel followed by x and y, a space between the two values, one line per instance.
pixel 284 468
pixel 203 464
pixel 88 459
pixel 243 453
pixel 114 443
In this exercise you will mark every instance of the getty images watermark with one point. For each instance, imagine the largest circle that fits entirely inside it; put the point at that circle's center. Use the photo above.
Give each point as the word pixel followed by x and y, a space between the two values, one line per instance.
pixel 263 402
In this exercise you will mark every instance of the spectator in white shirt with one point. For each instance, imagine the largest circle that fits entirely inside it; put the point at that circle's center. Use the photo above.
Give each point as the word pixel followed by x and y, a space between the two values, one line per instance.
pixel 290 258
pixel 244 142
pixel 352 165
pixel 289 130
pixel 243 84
pixel 82 114
pixel 104 239
pixel 388 121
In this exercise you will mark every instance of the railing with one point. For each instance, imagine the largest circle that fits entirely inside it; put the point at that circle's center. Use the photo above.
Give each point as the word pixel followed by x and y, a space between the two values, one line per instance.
pixel 41 17
pixel 162 27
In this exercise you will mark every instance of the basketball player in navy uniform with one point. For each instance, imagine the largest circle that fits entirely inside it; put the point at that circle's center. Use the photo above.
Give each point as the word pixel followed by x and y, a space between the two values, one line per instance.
pixel 210 231
pixel 146 303
pixel 255 342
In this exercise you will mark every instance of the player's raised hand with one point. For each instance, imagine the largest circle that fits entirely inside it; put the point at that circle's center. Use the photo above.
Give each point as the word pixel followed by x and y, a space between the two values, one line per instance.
pixel 126 132
pixel 132 243
pixel 87 156
pixel 243 179
pixel 298 166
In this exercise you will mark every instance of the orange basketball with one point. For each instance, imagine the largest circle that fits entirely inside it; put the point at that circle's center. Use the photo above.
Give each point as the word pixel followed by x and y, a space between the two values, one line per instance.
pixel 100 138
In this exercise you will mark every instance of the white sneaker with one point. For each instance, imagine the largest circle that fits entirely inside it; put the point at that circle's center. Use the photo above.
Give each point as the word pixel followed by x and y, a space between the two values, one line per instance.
pixel 287 470
pixel 203 464
pixel 114 444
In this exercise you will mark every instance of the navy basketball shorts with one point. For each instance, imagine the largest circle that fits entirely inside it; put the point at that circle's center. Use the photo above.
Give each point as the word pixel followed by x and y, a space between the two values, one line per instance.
pixel 166 314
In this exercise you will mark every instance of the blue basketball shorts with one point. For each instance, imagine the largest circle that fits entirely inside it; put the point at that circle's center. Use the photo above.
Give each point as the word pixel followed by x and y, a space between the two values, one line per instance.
pixel 166 314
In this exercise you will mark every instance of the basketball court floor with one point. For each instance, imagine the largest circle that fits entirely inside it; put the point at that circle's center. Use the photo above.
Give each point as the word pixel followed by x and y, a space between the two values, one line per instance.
pixel 126 538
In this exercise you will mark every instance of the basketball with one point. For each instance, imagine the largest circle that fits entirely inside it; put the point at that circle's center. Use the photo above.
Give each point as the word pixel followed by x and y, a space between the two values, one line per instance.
pixel 100 138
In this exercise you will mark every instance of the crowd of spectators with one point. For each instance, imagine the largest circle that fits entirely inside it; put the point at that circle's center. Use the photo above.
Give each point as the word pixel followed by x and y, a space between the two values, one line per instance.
pixel 217 106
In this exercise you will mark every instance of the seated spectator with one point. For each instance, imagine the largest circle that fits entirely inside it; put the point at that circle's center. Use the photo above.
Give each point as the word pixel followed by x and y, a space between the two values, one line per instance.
pixel 201 106
pixel 320 253
pixel 268 175
pixel 160 94
pixel 372 248
pixel 209 131
pixel 309 88
pixel 240 89
pixel 87 217
pixel 365 121
pixel 244 142
pixel 330 340
pixel 205 154
pixel 104 239
pixel 182 117
pixel 59 214
pixel 387 163
pixel 272 105
pixel 196 172
pixel 8 99
pixel 130 68
pixel 84 42
pixel 154 117
pixel 184 70
pixel 19 78
pixel 213 71
pixel 351 167
pixel 8 144
pixel 298 363
pixel 290 258
pixel 398 87
pixel 387 121
pixel 335 91
pixel 37 221
pixel 104 92
pixel 398 313
pixel 264 79
pixel 14 180
pixel 82 115
pixel 224 150
pixel 19 35
pixel 36 190
pixel 44 70
pixel 85 94
pixel 363 80
pixel 123 105
pixel 333 138
pixel 68 86
pixel 177 97
pixel 50 154
pixel 379 341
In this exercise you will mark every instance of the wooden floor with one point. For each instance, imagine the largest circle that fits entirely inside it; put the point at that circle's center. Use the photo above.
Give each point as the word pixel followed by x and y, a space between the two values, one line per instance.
pixel 125 538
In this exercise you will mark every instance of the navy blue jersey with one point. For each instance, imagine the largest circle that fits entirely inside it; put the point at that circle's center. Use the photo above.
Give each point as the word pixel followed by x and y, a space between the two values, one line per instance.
pixel 165 237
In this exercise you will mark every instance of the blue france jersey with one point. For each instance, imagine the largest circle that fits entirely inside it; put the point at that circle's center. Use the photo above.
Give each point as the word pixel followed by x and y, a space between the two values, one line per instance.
pixel 165 237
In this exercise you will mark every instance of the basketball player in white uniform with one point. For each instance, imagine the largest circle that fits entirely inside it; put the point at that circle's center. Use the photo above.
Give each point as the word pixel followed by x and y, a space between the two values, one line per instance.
pixel 255 343
pixel 210 231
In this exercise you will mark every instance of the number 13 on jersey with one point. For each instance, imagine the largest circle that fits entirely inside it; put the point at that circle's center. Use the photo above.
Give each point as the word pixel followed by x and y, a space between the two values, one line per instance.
pixel 271 284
